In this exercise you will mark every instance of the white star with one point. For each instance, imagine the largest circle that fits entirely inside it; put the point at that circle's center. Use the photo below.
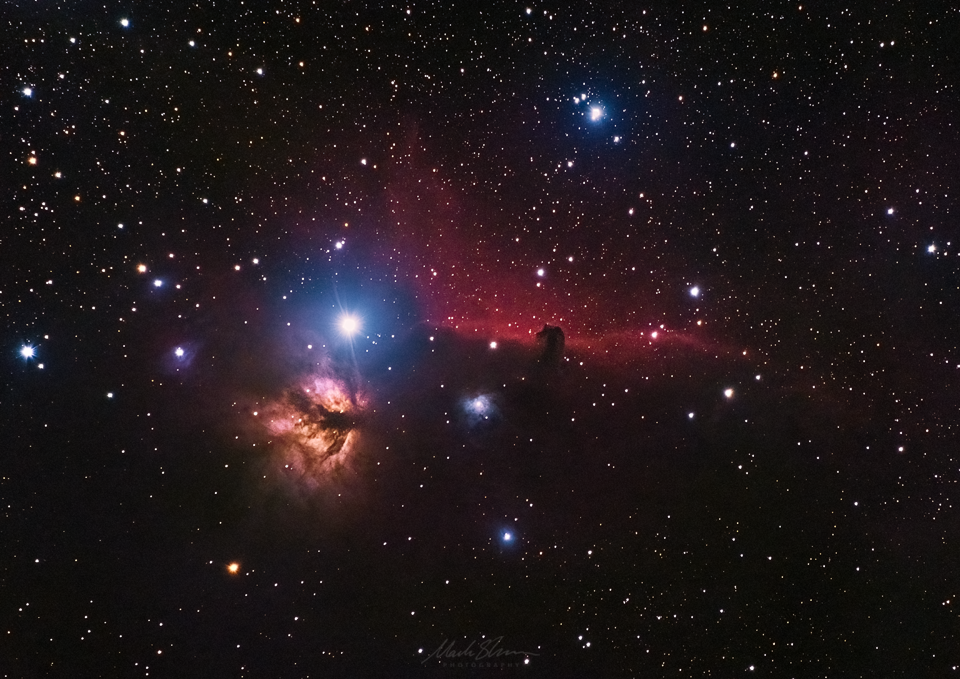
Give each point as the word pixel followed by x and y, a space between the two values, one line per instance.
pixel 349 325
pixel 27 352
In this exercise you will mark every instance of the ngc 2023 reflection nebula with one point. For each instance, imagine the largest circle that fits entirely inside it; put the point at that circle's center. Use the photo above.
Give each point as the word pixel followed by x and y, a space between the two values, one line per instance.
pixel 315 426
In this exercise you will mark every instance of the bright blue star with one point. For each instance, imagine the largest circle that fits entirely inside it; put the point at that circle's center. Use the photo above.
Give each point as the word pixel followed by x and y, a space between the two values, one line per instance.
pixel 27 92
pixel 125 23
pixel 157 283
pixel 596 113
pixel 349 325
pixel 507 537
pixel 178 352
pixel 694 291
pixel 27 352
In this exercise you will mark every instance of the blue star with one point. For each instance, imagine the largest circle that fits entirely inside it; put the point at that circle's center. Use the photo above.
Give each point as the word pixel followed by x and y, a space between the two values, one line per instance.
pixel 349 325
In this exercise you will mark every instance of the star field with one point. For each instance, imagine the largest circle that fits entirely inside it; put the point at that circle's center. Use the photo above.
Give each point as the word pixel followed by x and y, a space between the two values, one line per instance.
pixel 283 392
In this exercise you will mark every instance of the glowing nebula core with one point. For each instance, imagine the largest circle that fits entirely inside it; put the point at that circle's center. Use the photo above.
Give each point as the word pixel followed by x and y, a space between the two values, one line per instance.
pixel 314 425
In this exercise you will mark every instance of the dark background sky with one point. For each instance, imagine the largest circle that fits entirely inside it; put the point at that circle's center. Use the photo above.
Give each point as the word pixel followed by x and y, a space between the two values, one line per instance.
pixel 743 218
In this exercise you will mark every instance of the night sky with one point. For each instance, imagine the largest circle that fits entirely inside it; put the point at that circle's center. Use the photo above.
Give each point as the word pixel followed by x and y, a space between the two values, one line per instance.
pixel 272 400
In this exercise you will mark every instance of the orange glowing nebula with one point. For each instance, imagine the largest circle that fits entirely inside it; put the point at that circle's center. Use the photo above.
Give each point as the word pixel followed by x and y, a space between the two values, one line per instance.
pixel 315 426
